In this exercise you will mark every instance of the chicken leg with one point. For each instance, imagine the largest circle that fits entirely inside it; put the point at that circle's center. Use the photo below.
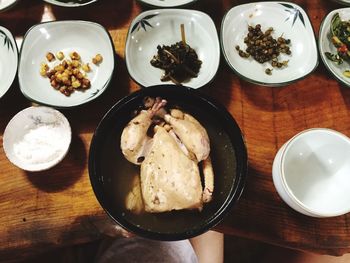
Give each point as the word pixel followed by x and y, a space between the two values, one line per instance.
pixel 191 133
pixel 134 141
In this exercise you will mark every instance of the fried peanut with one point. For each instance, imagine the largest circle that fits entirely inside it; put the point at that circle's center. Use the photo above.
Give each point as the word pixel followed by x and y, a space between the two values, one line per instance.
pixel 60 55
pixel 97 59
pixel 50 57
pixel 69 75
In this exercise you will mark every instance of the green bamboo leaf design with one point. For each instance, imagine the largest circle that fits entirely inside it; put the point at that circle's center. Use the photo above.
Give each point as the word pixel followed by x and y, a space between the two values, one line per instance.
pixel 147 23
pixel 287 5
pixel 93 94
pixel 149 16
pixel 134 27
pixel 143 23
pixel 293 14
pixel 7 41
pixel 295 17
pixel 301 18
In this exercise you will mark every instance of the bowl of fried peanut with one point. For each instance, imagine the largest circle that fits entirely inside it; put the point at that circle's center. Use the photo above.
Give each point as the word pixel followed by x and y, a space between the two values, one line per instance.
pixel 65 63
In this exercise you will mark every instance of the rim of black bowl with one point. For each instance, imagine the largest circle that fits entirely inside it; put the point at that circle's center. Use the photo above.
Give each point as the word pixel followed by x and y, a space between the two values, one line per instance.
pixel 235 192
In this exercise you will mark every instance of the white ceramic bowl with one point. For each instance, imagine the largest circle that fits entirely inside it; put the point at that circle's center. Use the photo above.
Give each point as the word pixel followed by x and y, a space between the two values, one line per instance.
pixel 7 4
pixel 37 138
pixel 8 61
pixel 86 38
pixel 311 173
pixel 162 27
pixel 167 3
pixel 325 45
pixel 70 3
pixel 287 19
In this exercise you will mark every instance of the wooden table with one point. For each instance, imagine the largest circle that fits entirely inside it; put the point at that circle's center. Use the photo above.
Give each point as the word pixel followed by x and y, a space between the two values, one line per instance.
pixel 58 208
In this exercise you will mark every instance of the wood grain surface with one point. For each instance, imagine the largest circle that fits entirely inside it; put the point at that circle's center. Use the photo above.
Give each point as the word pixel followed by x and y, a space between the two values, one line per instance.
pixel 57 207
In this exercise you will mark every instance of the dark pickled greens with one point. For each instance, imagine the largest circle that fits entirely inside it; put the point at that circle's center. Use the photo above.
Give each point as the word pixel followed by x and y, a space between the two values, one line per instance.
pixel 179 61
pixel 334 57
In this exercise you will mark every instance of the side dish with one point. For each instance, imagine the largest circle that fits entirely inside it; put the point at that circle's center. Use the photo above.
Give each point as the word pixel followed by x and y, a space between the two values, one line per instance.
pixel 172 148
pixel 340 37
pixel 70 74
pixel 263 47
pixel 179 61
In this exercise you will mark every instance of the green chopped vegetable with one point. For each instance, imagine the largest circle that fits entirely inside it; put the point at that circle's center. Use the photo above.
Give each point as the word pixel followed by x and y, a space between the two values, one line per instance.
pixel 334 57
pixel 340 37
pixel 340 29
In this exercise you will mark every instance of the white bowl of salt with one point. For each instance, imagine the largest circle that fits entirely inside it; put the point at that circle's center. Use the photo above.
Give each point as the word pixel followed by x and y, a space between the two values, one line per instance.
pixel 37 138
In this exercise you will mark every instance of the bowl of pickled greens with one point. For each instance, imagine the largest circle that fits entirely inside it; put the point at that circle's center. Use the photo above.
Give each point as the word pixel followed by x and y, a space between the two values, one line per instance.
pixel 172 46
pixel 334 44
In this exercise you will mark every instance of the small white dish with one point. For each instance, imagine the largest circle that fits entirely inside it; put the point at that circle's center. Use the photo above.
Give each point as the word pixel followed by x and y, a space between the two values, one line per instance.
pixel 311 173
pixel 70 3
pixel 325 45
pixel 37 138
pixel 162 27
pixel 7 4
pixel 8 61
pixel 287 19
pixel 167 3
pixel 86 38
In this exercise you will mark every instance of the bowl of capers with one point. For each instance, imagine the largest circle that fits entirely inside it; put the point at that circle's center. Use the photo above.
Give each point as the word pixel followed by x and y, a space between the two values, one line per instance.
pixel 276 47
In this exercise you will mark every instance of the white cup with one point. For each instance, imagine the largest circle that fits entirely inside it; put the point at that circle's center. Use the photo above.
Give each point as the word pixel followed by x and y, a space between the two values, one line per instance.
pixel 311 173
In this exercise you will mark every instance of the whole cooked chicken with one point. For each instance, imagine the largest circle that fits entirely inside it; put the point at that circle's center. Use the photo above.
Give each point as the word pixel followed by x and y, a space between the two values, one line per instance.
pixel 170 175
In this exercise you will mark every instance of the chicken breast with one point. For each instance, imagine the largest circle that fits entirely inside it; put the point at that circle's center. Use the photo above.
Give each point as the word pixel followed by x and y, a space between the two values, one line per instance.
pixel 169 179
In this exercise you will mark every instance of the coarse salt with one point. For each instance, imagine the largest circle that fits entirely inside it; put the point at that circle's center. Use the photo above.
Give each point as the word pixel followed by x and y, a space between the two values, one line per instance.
pixel 41 144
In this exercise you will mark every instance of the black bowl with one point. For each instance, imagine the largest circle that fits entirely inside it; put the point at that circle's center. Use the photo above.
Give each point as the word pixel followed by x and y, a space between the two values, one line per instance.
pixel 111 174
